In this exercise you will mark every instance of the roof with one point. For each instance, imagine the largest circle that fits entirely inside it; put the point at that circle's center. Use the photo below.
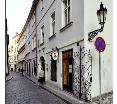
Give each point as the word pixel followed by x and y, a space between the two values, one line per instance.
pixel 33 7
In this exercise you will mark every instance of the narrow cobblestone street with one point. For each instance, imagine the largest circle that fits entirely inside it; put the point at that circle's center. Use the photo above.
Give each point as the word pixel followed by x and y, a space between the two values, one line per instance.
pixel 20 90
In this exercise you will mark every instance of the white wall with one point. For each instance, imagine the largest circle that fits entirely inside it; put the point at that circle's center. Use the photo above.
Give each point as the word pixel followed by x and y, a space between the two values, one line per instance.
pixel 90 24
pixel 70 35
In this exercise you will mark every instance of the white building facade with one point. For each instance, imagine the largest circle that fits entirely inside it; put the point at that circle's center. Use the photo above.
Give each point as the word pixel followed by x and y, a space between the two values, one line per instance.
pixel 91 23
pixel 57 39
pixel 62 35
pixel 30 44
pixel 63 26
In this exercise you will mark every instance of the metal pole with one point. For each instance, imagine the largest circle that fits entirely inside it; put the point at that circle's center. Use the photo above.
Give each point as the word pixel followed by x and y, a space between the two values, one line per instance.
pixel 100 77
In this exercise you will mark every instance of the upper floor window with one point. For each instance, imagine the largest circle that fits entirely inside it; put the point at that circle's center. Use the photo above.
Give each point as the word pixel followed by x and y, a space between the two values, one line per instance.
pixel 35 41
pixel 12 48
pixel 32 43
pixel 42 35
pixel 53 23
pixel 42 5
pixel 66 12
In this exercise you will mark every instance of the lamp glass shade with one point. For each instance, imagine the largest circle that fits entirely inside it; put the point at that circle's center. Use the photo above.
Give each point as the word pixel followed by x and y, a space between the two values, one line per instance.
pixel 101 14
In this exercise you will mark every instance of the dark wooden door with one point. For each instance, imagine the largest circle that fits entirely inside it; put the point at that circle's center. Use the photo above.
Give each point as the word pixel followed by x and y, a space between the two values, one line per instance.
pixel 67 76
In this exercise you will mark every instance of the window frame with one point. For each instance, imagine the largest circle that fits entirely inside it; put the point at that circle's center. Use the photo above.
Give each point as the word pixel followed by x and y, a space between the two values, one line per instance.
pixel 67 9
pixel 42 6
pixel 53 22
pixel 42 35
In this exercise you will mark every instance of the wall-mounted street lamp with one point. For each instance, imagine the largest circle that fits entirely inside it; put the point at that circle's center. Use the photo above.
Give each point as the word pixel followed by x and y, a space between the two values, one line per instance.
pixel 101 14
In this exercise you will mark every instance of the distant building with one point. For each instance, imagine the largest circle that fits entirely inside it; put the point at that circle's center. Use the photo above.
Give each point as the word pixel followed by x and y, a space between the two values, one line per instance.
pixel 30 43
pixel 21 52
pixel 13 53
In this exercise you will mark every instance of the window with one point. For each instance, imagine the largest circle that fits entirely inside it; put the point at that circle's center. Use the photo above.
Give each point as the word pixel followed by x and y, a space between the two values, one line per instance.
pixel 14 58
pixel 42 35
pixel 53 23
pixel 35 41
pixel 38 43
pixel 66 11
pixel 53 69
pixel 32 43
pixel 12 48
pixel 42 5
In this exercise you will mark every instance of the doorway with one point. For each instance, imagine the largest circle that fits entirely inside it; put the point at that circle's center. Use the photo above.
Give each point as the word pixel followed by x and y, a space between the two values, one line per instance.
pixel 67 69
pixel 43 67
pixel 29 69
pixel 53 70
pixel 35 69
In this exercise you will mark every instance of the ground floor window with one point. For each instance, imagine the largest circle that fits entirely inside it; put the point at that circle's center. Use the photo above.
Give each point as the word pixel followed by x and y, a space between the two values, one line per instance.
pixel 53 70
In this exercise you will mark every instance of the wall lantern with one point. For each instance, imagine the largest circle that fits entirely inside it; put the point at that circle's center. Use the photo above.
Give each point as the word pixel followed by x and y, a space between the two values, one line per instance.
pixel 101 14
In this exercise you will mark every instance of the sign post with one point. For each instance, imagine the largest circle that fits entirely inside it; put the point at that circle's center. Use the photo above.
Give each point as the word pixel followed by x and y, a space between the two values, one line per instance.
pixel 100 47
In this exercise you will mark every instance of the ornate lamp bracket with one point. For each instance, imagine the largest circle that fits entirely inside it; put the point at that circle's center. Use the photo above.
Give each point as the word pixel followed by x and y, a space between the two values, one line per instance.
pixel 92 34
pixel 101 14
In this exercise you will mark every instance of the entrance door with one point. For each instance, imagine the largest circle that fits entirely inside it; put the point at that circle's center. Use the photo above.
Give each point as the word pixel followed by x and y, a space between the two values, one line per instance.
pixel 53 69
pixel 43 66
pixel 67 57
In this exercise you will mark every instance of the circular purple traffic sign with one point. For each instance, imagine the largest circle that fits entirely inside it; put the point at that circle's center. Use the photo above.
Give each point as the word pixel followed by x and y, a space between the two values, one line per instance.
pixel 100 44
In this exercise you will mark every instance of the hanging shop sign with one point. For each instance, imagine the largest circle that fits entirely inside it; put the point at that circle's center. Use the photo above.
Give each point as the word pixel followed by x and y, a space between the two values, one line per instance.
pixel 100 44
pixel 54 54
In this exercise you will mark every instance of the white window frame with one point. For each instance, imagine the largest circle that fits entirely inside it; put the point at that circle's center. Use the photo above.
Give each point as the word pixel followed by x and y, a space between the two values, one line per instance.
pixel 42 7
pixel 42 35
pixel 53 22
pixel 66 19
pixel 32 43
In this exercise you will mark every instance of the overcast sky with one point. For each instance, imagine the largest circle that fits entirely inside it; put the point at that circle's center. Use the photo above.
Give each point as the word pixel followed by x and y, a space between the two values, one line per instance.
pixel 17 13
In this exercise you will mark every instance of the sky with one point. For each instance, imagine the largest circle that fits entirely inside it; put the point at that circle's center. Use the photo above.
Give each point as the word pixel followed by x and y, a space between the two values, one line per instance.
pixel 17 12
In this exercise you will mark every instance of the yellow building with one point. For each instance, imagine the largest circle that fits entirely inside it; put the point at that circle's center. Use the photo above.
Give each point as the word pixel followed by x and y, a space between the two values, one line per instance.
pixel 21 51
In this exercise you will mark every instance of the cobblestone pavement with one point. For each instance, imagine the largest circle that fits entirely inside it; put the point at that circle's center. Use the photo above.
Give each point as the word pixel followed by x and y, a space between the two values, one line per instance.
pixel 105 100
pixel 20 90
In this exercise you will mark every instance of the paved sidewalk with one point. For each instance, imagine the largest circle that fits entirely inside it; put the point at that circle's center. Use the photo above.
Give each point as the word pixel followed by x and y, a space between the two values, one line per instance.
pixel 62 94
